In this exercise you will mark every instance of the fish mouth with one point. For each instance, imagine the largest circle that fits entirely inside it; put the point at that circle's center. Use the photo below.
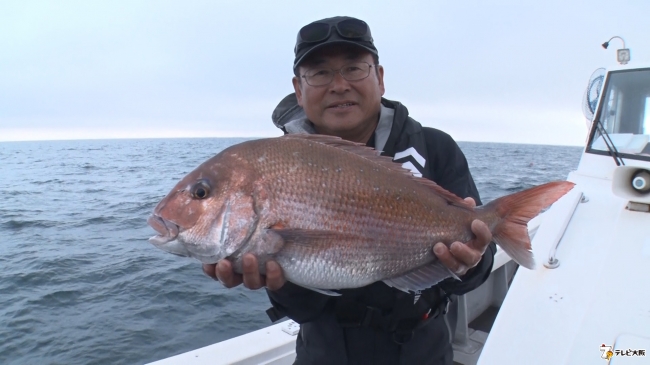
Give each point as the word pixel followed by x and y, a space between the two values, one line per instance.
pixel 167 231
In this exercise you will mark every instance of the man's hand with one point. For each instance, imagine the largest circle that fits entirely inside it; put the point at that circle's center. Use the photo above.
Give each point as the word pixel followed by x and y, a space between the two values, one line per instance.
pixel 460 257
pixel 222 271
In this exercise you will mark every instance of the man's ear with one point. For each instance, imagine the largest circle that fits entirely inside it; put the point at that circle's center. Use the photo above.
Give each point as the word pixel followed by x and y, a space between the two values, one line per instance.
pixel 380 76
pixel 297 88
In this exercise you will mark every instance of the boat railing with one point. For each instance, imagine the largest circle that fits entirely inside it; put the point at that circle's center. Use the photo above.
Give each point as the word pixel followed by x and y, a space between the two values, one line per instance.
pixel 553 262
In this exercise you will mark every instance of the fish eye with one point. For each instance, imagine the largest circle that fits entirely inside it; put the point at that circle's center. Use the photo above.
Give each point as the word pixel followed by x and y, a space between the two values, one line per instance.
pixel 200 190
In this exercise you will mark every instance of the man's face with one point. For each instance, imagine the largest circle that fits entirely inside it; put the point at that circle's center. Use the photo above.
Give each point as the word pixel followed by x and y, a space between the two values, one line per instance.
pixel 348 109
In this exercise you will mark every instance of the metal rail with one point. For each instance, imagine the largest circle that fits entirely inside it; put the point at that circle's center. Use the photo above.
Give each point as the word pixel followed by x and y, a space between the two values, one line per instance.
pixel 553 261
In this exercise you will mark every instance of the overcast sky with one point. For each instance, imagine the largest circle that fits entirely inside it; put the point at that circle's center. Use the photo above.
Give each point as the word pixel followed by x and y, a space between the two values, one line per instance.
pixel 498 71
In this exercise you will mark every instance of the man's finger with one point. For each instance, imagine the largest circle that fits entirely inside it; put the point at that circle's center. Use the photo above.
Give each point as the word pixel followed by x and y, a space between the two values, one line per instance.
pixel 446 258
pixel 274 276
pixel 210 270
pixel 251 272
pixel 226 275
pixel 483 236
pixel 471 201
pixel 466 255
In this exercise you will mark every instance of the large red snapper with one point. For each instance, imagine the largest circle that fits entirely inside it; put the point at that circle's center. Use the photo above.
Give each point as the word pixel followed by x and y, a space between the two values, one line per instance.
pixel 333 214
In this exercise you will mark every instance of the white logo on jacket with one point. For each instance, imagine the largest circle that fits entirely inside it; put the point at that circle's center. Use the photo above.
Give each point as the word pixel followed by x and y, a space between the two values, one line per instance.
pixel 408 164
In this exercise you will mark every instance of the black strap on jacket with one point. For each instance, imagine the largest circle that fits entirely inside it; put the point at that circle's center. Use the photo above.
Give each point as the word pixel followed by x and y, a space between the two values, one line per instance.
pixel 401 321
pixel 275 314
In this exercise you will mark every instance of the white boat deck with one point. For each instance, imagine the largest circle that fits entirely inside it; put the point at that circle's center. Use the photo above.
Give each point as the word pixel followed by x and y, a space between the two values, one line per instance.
pixel 273 345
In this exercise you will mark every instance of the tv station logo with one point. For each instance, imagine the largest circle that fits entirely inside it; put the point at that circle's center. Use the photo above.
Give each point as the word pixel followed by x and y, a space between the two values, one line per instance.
pixel 607 352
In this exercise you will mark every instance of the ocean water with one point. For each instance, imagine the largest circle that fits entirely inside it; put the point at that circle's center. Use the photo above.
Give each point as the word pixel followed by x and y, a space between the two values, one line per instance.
pixel 80 284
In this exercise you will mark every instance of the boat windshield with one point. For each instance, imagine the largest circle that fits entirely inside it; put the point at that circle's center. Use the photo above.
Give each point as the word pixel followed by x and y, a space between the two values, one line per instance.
pixel 625 113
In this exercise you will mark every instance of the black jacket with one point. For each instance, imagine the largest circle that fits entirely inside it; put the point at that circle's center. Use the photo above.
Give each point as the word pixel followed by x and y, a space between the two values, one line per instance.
pixel 322 338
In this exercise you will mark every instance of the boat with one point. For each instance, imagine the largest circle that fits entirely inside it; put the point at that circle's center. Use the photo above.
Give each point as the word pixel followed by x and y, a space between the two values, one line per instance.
pixel 589 300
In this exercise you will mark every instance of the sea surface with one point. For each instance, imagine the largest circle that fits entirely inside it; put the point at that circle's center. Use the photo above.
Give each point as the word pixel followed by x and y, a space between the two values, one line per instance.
pixel 80 284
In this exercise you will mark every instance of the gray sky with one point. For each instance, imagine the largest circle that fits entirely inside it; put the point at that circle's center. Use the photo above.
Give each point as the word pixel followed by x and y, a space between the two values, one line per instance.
pixel 498 71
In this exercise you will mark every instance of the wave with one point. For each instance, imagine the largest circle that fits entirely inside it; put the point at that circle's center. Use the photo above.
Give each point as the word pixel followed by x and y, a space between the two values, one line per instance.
pixel 62 296
pixel 51 181
pixel 13 224
pixel 94 221
pixel 93 191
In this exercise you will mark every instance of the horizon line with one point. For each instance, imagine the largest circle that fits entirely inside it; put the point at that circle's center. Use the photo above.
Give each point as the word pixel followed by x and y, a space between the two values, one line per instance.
pixel 238 137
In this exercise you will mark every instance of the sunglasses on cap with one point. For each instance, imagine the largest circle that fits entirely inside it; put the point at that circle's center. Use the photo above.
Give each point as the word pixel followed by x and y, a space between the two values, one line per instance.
pixel 348 28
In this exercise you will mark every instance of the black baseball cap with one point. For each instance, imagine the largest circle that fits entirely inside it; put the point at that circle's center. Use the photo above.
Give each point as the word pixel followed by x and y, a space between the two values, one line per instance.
pixel 336 30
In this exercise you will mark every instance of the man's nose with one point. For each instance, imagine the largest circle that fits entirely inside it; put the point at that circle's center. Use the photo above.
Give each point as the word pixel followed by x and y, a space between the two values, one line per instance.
pixel 339 84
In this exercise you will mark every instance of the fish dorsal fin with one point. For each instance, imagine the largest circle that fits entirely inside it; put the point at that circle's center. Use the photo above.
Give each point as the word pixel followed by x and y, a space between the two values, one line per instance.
pixel 373 155
pixel 421 278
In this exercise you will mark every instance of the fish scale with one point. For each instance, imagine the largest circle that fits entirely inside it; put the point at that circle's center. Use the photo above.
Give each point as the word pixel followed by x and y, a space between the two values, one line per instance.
pixel 332 213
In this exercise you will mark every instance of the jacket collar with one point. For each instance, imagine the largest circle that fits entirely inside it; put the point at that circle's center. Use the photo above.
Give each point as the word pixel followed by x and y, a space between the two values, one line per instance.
pixel 291 118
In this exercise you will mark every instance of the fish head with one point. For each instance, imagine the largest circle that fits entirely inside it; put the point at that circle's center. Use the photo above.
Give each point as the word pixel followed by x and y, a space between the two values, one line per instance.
pixel 208 215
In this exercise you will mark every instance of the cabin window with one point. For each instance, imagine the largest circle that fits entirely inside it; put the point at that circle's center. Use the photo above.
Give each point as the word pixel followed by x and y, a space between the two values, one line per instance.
pixel 624 112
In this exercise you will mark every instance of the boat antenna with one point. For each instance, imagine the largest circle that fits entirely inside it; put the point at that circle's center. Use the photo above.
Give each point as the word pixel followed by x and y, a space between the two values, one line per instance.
pixel 623 54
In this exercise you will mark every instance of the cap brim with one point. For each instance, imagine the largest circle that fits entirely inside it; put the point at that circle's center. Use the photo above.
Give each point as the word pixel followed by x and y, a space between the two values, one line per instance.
pixel 297 61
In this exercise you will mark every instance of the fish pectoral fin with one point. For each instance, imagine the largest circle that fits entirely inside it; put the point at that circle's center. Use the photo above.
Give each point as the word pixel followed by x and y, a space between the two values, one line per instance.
pixel 421 278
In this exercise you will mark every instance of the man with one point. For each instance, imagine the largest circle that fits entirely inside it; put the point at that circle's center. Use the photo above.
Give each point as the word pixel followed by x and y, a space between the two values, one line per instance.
pixel 338 87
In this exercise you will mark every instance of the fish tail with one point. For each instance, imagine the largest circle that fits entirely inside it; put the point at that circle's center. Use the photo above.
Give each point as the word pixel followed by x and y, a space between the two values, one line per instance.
pixel 513 213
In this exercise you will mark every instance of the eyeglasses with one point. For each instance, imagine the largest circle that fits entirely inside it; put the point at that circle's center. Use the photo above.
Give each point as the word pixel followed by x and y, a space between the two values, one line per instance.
pixel 348 28
pixel 321 76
